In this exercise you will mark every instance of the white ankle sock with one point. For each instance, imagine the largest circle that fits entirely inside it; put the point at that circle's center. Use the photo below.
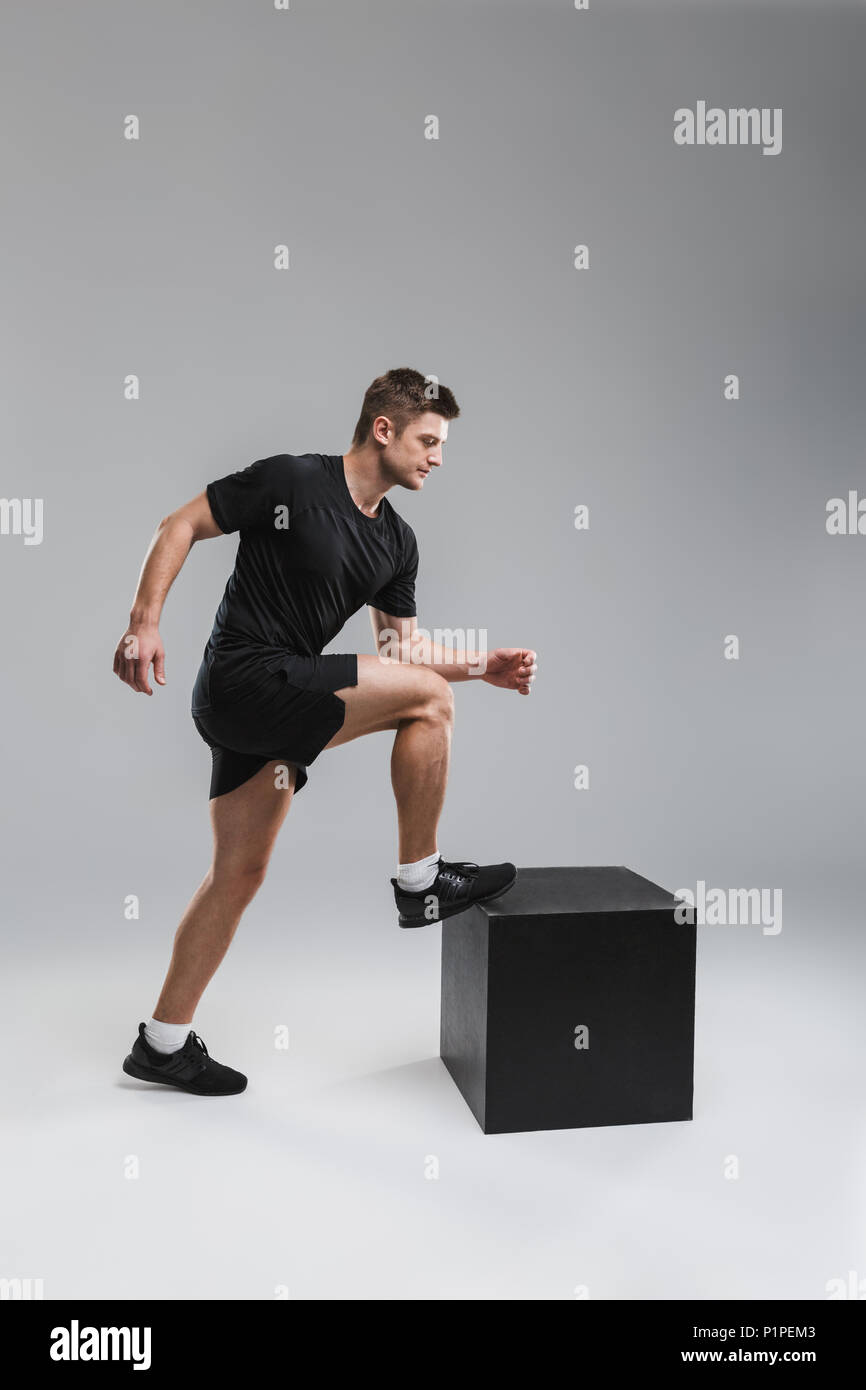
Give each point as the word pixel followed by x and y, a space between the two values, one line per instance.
pixel 166 1037
pixel 419 875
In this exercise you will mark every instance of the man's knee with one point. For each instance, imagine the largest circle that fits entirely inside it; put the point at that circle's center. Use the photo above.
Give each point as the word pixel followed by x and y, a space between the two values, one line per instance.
pixel 440 697
pixel 240 879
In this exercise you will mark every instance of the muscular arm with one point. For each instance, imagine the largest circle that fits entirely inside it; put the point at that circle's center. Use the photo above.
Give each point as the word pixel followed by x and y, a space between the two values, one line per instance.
pixel 141 643
pixel 398 639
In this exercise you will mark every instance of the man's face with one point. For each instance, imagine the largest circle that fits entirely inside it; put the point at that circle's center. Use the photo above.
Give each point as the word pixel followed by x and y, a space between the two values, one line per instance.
pixel 409 458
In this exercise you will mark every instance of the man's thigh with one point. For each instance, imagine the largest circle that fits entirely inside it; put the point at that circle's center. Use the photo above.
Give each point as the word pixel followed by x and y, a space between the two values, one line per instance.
pixel 387 692
pixel 245 822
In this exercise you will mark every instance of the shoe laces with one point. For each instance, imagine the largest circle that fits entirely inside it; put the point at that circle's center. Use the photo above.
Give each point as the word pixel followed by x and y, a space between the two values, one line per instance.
pixel 459 868
pixel 195 1041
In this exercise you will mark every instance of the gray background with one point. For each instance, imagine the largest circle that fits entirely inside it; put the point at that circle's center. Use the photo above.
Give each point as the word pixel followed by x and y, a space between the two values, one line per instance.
pixel 603 387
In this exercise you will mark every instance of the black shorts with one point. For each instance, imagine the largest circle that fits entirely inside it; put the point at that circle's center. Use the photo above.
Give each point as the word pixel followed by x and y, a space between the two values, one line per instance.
pixel 255 705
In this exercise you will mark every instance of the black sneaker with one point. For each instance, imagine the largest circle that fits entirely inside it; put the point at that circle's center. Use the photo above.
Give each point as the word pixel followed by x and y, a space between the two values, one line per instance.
pixel 191 1068
pixel 455 887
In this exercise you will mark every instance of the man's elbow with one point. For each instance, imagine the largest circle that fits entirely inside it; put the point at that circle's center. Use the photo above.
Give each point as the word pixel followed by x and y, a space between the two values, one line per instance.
pixel 177 519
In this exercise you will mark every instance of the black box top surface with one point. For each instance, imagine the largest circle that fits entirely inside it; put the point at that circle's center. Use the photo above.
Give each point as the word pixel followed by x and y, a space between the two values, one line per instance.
pixel 570 889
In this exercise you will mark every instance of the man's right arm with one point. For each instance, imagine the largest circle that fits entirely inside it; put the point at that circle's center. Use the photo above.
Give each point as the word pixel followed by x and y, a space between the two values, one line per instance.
pixel 141 643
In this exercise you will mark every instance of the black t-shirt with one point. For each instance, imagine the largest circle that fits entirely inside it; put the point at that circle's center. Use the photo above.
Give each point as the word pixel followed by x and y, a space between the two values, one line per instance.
pixel 308 557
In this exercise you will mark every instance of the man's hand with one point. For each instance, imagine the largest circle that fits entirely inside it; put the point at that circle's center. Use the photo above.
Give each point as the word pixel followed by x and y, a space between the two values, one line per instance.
pixel 512 668
pixel 140 645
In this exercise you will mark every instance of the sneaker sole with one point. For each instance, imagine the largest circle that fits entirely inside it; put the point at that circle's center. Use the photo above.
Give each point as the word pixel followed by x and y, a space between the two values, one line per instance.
pixel 132 1068
pixel 454 911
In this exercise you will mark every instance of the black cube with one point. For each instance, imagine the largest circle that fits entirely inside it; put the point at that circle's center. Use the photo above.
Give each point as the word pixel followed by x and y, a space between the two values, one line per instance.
pixel 570 1002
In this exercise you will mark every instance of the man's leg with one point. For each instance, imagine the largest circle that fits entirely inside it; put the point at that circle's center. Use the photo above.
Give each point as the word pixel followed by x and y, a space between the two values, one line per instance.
pixel 419 704
pixel 415 701
pixel 245 824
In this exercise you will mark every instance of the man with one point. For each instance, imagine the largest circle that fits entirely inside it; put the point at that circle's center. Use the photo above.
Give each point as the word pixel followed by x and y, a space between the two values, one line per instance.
pixel 318 539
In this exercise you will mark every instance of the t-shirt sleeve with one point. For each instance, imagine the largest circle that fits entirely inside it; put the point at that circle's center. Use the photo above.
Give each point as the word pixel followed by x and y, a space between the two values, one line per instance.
pixel 397 597
pixel 247 500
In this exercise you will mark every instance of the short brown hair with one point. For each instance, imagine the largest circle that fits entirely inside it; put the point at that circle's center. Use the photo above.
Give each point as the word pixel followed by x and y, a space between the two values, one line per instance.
pixel 402 395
